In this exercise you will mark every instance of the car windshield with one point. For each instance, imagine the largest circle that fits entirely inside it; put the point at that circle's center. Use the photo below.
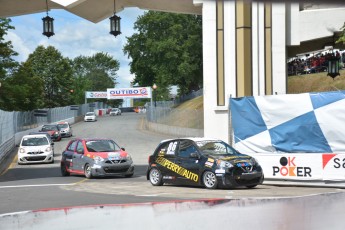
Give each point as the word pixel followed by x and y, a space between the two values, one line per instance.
pixel 50 128
pixel 35 141
pixel 90 114
pixel 64 126
pixel 102 146
pixel 216 148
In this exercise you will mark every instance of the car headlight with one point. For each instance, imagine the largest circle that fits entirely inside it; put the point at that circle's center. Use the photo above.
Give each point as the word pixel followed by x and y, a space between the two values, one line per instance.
pixel 21 150
pixel 98 159
pixel 56 133
pixel 253 161
pixel 48 149
pixel 128 157
pixel 224 164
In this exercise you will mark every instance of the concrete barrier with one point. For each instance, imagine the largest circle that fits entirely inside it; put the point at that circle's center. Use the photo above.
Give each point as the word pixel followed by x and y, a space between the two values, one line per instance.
pixel 317 212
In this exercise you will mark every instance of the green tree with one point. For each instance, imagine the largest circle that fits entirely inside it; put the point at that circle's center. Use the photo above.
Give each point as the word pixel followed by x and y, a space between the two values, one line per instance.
pixel 23 91
pixel 95 73
pixel 56 73
pixel 167 50
pixel 7 64
pixel 342 35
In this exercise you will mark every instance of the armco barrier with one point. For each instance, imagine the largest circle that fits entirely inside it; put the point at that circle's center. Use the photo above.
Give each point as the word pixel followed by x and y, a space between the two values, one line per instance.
pixel 317 212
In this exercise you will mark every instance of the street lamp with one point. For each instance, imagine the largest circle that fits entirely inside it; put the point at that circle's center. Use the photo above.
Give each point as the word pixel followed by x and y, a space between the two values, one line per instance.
pixel 48 24
pixel 154 87
pixel 333 66
pixel 115 23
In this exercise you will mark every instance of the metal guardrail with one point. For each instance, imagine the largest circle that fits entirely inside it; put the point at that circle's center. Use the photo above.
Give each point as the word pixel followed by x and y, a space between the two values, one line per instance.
pixel 15 122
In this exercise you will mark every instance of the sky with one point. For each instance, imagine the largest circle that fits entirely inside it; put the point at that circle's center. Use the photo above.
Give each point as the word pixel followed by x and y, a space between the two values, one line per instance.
pixel 75 36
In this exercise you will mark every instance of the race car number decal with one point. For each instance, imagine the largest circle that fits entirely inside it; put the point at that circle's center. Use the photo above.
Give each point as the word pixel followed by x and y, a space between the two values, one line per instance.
pixel 177 169
pixel 171 148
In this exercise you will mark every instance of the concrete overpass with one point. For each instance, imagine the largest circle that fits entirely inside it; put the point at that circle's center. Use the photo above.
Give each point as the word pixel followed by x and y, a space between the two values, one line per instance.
pixel 245 43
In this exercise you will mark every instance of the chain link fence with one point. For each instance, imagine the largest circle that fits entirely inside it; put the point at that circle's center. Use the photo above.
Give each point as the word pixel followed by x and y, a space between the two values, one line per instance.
pixel 188 118
pixel 15 122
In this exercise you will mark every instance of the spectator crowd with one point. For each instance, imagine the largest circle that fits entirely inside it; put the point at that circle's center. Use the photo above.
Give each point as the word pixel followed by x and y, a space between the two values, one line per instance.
pixel 314 64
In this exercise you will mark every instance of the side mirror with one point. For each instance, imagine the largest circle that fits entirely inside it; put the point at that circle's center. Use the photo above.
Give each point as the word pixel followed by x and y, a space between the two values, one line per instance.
pixel 195 155
pixel 52 143
pixel 123 149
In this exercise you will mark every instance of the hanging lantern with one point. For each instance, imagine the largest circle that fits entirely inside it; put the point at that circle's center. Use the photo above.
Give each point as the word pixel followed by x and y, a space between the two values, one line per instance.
pixel 48 26
pixel 333 67
pixel 115 25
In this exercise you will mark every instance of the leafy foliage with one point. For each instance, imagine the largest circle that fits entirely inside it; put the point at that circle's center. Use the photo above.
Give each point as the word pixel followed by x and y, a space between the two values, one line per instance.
pixel 56 74
pixel 95 73
pixel 7 64
pixel 342 35
pixel 167 50
pixel 23 91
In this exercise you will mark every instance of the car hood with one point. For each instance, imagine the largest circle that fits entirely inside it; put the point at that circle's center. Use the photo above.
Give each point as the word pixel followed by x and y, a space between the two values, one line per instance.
pixel 35 148
pixel 117 155
pixel 232 159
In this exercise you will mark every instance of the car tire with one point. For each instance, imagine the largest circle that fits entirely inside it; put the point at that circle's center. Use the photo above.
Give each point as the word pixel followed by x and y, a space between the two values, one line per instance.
pixel 88 171
pixel 252 186
pixel 129 175
pixel 64 171
pixel 156 177
pixel 209 180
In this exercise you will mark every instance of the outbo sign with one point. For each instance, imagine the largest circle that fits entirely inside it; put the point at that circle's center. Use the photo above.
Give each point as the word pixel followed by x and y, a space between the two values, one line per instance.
pixel 139 92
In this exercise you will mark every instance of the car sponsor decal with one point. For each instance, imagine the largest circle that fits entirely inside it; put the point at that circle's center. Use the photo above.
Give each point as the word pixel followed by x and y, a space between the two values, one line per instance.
pixel 220 171
pixel 171 148
pixel 209 163
pixel 177 169
pixel 234 157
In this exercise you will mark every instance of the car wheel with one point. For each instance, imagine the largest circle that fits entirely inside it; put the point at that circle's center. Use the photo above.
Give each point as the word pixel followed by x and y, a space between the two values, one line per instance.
pixel 129 175
pixel 210 180
pixel 155 177
pixel 252 186
pixel 64 171
pixel 88 171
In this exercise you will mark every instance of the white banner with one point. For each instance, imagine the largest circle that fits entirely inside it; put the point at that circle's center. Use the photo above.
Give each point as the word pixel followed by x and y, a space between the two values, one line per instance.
pixel 303 166
pixel 89 94
pixel 139 92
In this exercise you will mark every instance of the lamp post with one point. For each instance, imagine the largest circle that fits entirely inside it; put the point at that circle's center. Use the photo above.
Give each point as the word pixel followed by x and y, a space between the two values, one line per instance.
pixel 154 87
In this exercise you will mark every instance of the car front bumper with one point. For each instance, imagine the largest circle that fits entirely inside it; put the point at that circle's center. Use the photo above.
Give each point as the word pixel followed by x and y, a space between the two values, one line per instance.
pixel 229 180
pixel 106 169
pixel 35 158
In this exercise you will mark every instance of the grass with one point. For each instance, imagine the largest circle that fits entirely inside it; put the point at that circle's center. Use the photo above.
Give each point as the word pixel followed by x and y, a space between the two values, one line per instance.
pixel 317 82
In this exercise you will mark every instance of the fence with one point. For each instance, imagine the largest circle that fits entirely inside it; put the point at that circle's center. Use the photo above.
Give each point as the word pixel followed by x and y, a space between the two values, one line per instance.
pixel 188 118
pixel 187 97
pixel 14 122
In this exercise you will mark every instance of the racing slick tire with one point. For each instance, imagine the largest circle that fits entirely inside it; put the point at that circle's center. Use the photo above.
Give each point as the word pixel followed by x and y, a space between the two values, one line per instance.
pixel 88 171
pixel 210 180
pixel 156 177
pixel 64 171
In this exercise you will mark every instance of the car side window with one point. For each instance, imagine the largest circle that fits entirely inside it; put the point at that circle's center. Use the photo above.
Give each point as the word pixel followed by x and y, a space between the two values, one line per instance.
pixel 186 148
pixel 80 147
pixel 167 148
pixel 72 146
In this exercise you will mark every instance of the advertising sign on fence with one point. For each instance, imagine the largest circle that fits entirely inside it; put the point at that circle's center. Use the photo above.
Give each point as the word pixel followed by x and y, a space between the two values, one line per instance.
pixel 95 94
pixel 139 92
